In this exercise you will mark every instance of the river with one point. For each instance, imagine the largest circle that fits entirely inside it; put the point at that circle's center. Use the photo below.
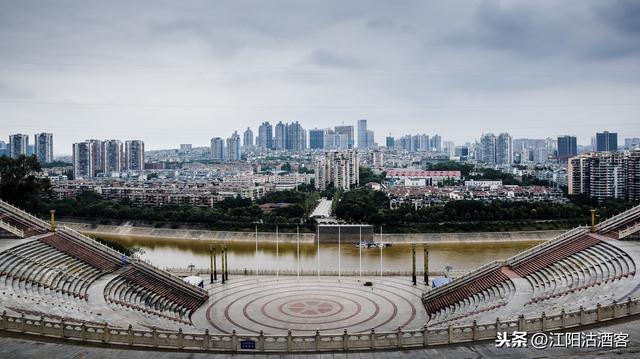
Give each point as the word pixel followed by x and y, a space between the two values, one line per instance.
pixel 172 253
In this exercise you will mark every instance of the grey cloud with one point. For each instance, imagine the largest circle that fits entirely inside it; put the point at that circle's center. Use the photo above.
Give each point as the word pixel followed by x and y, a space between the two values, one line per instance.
pixel 326 57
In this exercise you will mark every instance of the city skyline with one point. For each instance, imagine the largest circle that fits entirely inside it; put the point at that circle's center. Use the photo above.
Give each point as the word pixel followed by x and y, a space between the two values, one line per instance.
pixel 170 73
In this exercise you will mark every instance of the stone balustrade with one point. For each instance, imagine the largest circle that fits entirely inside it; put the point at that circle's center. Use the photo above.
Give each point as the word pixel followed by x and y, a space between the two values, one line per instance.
pixel 318 342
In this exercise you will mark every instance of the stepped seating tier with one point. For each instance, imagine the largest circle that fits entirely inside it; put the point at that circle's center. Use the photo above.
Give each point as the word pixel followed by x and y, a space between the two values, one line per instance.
pixel 84 253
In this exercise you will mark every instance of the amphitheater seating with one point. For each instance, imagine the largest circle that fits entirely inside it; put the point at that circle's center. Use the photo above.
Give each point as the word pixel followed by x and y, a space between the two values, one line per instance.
pixel 139 290
pixel 84 253
pixel 39 269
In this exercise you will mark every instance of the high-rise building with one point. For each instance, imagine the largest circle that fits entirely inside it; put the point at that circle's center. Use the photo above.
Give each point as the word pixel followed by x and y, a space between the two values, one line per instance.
pixel 362 134
pixel 247 138
pixel 316 139
pixel 598 174
pixel 631 143
pixel 3 149
pixel 340 168
pixel 567 147
pixel 488 149
pixel 436 143
pixel 329 139
pixel 265 136
pixel 371 143
pixel 449 149
pixel 279 136
pixel 185 147
pixel 18 145
pixel 233 147
pixel 113 156
pixel 134 155
pixel 390 142
pixel 44 147
pixel 295 138
pixel 608 174
pixel 504 149
pixel 344 137
pixel 96 156
pixel 217 149
pixel 606 141
pixel 632 169
pixel 83 165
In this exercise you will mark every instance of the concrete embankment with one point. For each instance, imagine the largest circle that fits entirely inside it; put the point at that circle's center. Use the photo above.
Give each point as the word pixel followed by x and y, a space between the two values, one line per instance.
pixel 204 235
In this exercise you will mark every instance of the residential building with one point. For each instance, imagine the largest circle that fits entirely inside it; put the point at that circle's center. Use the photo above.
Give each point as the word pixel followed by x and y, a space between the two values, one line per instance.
pixel 18 145
pixel 371 143
pixel 504 149
pixel 83 160
pixel 134 155
pixel 608 174
pixel 295 137
pixel 390 142
pixel 265 136
pixel 488 149
pixel 567 147
pixel 606 141
pixel 362 134
pixel 279 137
pixel 217 149
pixel 316 139
pixel 340 168
pixel 631 143
pixel 233 147
pixel 44 147
pixel 96 155
pixel 247 138
pixel 435 143
pixel 113 159
pixel 344 137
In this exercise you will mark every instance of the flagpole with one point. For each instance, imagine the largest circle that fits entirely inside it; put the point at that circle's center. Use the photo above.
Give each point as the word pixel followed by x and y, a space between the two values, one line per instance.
pixel 256 257
pixel 339 253
pixel 360 246
pixel 381 244
pixel 277 255
pixel 298 248
pixel 318 255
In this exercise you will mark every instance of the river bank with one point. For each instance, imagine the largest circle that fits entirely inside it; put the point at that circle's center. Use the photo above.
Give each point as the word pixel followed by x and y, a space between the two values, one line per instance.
pixel 226 236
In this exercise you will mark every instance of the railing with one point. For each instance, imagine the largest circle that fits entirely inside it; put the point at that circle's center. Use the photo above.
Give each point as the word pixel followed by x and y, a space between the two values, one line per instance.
pixel 610 222
pixel 312 273
pixel 310 343
pixel 463 279
pixel 496 264
pixel 172 280
pixel 629 231
pixel 18 212
pixel 553 242
pixel 136 263
pixel 11 229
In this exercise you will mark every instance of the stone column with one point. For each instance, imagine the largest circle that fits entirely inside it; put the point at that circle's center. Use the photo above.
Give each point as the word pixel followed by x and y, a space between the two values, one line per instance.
pixel 206 340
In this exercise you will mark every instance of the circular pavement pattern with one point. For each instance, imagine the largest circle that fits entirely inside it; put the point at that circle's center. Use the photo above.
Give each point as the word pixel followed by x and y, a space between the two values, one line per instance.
pixel 249 305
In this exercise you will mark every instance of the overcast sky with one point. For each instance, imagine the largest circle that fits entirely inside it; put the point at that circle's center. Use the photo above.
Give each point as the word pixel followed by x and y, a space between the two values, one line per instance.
pixel 172 72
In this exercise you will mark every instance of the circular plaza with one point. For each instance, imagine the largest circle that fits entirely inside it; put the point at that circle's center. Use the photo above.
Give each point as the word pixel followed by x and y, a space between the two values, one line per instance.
pixel 305 304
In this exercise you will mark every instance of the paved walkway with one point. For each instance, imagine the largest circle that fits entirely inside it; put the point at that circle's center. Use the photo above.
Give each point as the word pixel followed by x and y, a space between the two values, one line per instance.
pixel 307 304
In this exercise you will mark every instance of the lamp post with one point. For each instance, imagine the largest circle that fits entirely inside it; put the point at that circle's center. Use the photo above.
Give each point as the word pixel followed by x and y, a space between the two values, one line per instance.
pixel 413 264
pixel 426 265
pixel 53 221
pixel 211 262
pixel 226 264
pixel 222 262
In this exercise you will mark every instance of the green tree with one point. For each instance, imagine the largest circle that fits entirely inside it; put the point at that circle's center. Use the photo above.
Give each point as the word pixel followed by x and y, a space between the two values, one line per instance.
pixel 19 184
